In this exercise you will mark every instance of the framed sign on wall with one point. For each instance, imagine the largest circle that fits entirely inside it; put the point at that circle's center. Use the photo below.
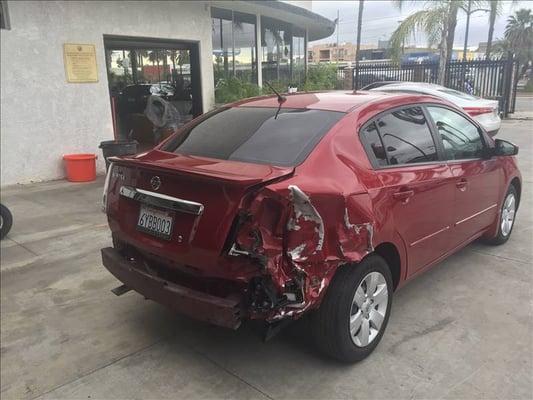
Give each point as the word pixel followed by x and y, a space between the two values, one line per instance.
pixel 80 63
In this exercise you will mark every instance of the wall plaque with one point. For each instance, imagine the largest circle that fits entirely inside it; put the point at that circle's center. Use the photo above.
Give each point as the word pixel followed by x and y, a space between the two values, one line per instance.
pixel 80 63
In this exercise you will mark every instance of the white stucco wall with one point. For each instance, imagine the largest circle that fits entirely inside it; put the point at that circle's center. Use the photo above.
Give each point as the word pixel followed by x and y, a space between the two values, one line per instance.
pixel 43 116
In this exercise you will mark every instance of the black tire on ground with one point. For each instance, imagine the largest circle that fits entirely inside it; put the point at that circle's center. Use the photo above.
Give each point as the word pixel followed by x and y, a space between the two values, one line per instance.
pixel 7 221
pixel 500 238
pixel 331 322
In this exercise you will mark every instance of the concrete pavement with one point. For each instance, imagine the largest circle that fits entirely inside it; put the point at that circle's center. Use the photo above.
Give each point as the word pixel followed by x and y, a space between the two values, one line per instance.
pixel 462 330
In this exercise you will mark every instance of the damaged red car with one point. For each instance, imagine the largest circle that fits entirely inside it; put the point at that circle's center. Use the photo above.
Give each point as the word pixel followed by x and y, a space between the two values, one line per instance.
pixel 318 204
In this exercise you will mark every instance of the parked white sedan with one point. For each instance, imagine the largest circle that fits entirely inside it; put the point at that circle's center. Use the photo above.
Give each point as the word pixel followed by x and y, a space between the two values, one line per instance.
pixel 484 111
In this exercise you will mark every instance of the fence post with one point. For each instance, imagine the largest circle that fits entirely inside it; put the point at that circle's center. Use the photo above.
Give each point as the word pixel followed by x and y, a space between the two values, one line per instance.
pixel 348 83
pixel 507 83
pixel 514 87
pixel 356 76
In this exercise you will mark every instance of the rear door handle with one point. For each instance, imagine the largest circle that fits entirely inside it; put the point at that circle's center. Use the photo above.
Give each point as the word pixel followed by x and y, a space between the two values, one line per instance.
pixel 461 184
pixel 403 194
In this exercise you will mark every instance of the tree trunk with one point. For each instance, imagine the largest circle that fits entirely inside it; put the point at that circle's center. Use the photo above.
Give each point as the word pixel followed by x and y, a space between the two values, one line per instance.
pixel 492 20
pixel 465 48
pixel 443 57
pixel 450 31
pixel 358 45
pixel 446 44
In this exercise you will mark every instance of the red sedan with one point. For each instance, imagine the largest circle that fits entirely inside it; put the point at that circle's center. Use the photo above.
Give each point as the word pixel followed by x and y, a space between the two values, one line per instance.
pixel 317 203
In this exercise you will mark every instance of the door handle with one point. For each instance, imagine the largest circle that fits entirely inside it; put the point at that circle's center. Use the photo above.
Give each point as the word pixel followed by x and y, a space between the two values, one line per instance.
pixel 403 195
pixel 462 184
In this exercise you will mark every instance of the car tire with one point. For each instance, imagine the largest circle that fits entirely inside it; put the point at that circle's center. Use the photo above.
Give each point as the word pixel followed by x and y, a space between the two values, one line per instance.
pixel 6 221
pixel 506 218
pixel 335 323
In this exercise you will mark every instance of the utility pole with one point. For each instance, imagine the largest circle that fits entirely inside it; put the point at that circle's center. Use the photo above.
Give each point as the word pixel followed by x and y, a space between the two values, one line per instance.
pixel 468 12
pixel 337 20
pixel 358 45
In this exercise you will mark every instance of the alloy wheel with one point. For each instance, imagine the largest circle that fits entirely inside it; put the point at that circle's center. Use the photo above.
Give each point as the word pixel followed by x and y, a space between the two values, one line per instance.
pixel 508 214
pixel 369 306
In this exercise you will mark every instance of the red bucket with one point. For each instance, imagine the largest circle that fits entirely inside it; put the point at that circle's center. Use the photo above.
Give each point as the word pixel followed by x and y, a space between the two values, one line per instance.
pixel 80 167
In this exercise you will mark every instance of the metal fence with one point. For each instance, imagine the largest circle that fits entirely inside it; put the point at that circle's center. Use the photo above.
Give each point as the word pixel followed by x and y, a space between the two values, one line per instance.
pixel 492 79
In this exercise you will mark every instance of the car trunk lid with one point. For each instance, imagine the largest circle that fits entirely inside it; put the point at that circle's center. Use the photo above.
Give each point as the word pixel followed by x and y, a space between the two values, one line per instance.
pixel 214 190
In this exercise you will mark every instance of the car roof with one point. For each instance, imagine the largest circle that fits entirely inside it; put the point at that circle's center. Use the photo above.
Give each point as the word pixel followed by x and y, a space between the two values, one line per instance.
pixel 342 101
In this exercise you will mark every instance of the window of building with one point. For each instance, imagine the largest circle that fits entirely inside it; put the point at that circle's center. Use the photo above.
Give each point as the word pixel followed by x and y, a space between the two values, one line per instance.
pixel 276 50
pixel 324 55
pixel 298 57
pixel 461 138
pixel 4 15
pixel 234 45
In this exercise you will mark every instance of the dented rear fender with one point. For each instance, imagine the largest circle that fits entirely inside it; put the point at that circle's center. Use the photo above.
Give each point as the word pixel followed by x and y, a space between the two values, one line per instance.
pixel 300 237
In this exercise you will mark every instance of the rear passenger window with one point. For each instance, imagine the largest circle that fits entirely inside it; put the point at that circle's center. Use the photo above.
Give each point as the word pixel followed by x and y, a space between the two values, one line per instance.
pixel 461 138
pixel 373 141
pixel 400 137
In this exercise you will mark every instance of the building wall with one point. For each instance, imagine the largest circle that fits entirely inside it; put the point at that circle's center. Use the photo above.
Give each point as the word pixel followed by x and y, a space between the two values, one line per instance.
pixel 43 116
pixel 327 52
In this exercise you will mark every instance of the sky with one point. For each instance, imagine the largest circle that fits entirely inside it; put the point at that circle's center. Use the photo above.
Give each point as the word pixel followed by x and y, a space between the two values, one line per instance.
pixel 380 19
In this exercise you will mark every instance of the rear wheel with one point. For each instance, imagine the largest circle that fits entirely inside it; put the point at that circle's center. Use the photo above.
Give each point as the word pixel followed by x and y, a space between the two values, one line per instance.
pixel 507 217
pixel 353 316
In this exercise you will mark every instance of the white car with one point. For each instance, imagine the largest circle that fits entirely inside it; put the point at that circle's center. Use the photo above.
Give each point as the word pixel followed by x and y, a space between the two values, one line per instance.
pixel 484 111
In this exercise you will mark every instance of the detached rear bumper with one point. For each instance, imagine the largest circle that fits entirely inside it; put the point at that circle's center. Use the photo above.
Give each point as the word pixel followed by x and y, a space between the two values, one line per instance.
pixel 205 307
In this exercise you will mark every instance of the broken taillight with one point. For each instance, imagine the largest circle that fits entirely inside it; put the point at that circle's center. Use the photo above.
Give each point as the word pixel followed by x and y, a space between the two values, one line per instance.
pixel 106 187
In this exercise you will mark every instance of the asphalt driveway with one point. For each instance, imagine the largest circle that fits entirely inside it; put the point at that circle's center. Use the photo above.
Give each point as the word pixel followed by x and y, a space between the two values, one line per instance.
pixel 462 330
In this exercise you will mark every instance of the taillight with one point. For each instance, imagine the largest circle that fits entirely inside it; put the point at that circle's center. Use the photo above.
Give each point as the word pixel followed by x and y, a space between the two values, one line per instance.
pixel 106 186
pixel 475 111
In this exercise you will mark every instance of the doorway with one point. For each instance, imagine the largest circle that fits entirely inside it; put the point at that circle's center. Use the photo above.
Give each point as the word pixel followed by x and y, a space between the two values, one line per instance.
pixel 142 71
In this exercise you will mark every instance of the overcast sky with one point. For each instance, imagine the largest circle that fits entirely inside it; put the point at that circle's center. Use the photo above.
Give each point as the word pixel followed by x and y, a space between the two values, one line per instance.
pixel 380 18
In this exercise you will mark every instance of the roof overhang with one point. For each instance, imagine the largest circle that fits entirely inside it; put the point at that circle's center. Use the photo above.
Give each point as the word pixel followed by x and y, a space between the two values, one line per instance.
pixel 318 27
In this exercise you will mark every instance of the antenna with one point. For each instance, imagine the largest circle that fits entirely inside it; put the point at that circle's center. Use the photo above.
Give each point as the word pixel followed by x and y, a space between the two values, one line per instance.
pixel 281 99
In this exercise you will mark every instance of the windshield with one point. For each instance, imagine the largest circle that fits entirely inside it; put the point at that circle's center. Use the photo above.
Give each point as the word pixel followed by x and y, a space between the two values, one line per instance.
pixel 257 135
pixel 456 93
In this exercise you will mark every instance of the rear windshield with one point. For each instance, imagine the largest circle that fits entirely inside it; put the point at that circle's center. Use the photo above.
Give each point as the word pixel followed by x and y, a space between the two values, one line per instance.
pixel 456 93
pixel 255 135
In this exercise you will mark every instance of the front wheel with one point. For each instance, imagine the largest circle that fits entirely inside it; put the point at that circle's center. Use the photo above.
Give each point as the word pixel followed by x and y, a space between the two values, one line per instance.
pixel 354 313
pixel 507 217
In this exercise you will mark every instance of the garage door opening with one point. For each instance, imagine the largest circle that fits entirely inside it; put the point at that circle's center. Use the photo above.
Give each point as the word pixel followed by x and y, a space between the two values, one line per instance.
pixel 139 68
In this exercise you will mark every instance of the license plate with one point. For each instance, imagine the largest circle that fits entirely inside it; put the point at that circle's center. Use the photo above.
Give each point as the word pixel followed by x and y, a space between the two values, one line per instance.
pixel 155 222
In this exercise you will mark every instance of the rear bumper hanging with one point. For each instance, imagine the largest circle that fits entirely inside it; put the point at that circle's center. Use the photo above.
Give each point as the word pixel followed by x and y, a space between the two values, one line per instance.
pixel 219 311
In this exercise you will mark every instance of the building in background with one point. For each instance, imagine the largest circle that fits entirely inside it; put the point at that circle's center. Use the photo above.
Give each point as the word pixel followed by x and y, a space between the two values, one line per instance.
pixel 330 52
pixel 62 102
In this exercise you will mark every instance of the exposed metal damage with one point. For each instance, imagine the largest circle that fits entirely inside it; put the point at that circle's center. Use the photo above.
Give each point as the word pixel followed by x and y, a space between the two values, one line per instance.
pixel 304 210
pixel 357 228
pixel 297 258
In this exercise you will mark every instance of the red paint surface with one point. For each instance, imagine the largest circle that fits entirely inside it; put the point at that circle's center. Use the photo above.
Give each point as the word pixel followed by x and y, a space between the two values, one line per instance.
pixel 343 188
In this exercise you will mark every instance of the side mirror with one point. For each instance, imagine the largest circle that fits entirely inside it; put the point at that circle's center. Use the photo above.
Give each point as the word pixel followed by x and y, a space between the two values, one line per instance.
pixel 505 148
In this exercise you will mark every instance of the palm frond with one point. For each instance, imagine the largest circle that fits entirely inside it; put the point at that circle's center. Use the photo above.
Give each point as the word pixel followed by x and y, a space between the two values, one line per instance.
pixel 430 21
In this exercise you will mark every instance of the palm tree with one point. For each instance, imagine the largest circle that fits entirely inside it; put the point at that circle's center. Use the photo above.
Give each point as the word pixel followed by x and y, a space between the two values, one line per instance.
pixel 495 7
pixel 438 20
pixel 495 10
pixel 142 54
pixel 519 36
